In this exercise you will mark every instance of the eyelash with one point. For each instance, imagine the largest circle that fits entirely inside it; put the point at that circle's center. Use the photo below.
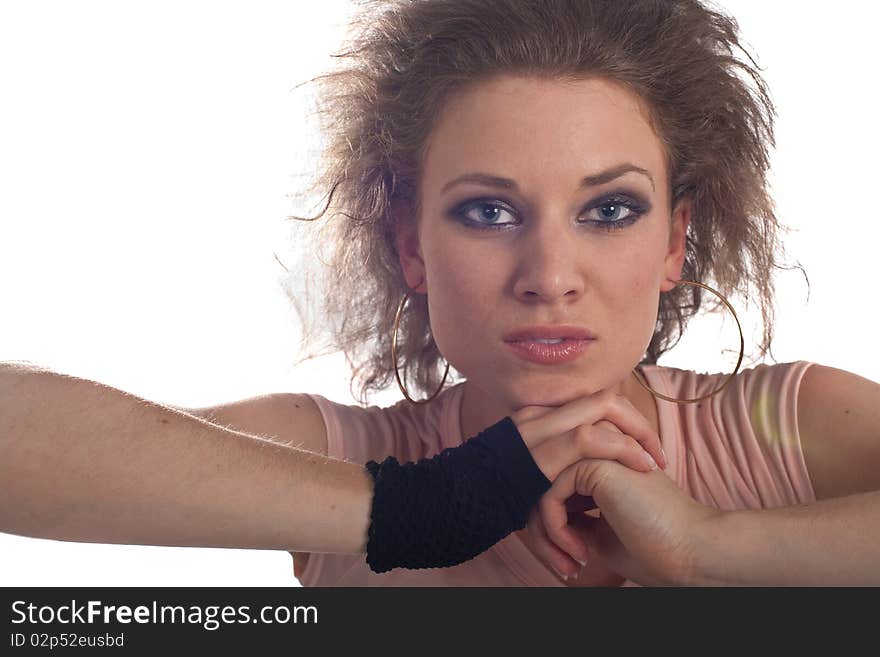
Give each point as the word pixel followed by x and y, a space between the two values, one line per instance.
pixel 637 210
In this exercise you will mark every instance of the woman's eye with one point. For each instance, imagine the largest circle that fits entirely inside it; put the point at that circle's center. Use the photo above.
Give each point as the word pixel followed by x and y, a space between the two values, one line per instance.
pixel 610 213
pixel 484 214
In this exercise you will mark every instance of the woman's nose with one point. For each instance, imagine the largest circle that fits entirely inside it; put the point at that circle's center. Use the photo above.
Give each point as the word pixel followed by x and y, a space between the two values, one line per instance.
pixel 550 265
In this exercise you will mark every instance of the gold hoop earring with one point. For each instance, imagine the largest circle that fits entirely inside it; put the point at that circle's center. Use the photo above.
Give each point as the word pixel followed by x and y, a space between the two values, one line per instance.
pixel 394 358
pixel 742 344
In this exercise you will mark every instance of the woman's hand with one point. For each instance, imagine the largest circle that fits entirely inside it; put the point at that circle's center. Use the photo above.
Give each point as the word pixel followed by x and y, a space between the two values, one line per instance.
pixel 604 425
pixel 599 426
pixel 650 531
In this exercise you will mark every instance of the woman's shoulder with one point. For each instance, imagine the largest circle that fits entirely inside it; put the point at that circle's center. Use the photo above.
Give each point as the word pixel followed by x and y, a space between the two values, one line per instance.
pixel 396 411
pixel 402 429
pixel 738 448
pixel 684 383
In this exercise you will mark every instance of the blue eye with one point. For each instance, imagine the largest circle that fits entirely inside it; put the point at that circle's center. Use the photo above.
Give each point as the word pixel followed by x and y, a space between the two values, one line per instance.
pixel 483 219
pixel 616 208
pixel 485 214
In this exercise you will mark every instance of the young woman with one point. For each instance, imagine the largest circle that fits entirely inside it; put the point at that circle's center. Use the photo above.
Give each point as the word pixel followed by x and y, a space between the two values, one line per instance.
pixel 538 195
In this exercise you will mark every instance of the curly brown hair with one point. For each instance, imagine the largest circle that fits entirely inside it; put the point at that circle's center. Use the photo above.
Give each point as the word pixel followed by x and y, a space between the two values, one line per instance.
pixel 403 58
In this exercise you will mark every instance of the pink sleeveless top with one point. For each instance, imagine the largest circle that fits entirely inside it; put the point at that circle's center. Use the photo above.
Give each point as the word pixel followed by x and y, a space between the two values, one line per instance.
pixel 739 449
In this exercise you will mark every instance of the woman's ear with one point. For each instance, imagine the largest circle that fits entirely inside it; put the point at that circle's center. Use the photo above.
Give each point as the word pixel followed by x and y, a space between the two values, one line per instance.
pixel 409 251
pixel 674 261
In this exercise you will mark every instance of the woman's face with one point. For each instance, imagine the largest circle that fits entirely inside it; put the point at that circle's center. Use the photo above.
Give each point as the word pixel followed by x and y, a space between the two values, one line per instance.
pixel 494 258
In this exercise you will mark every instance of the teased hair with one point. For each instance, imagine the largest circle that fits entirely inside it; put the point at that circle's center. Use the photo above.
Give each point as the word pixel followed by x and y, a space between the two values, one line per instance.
pixel 402 58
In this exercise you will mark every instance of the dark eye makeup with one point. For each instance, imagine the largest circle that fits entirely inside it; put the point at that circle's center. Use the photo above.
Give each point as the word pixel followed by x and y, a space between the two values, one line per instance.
pixel 617 202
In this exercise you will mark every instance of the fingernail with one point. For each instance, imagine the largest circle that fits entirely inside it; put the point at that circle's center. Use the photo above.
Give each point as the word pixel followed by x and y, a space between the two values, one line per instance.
pixel 665 458
pixel 650 461
pixel 558 572
pixel 582 563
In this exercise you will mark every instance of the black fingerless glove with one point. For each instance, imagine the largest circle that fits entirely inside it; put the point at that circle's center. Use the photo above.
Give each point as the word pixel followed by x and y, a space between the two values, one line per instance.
pixel 445 510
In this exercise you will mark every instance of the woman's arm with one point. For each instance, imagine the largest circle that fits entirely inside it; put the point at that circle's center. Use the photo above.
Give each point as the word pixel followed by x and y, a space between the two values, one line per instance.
pixel 86 462
pixel 653 532
pixel 836 540
pixel 290 419
pixel 832 542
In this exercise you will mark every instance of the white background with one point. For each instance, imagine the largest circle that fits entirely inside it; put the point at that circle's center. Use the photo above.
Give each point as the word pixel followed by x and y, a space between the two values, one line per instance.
pixel 147 151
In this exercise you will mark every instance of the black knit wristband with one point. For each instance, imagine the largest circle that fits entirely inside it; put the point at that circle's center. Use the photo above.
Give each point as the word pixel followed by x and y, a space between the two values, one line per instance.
pixel 445 510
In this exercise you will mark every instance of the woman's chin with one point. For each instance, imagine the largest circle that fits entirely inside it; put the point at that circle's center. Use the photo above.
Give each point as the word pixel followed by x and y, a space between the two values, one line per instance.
pixel 521 391
pixel 555 397
pixel 556 388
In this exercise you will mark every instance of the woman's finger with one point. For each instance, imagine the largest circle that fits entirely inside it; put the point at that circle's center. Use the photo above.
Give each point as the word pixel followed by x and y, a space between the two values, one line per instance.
pixel 594 442
pixel 547 551
pixel 562 419
pixel 635 450
pixel 554 516
pixel 628 420
pixel 641 430
pixel 526 413
pixel 587 411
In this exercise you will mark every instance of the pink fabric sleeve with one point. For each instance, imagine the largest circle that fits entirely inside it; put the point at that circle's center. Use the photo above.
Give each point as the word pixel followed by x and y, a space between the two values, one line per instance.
pixel 360 434
pixel 742 447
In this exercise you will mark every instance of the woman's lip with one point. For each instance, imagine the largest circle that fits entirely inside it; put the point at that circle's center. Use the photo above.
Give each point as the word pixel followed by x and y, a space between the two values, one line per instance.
pixel 549 354
pixel 550 331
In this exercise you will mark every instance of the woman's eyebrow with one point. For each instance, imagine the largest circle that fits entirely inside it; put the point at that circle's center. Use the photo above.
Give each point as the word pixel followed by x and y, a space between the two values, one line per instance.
pixel 590 181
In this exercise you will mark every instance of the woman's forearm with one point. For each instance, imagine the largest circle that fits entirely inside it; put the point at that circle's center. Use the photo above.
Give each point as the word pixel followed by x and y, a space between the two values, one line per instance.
pixel 86 462
pixel 832 542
